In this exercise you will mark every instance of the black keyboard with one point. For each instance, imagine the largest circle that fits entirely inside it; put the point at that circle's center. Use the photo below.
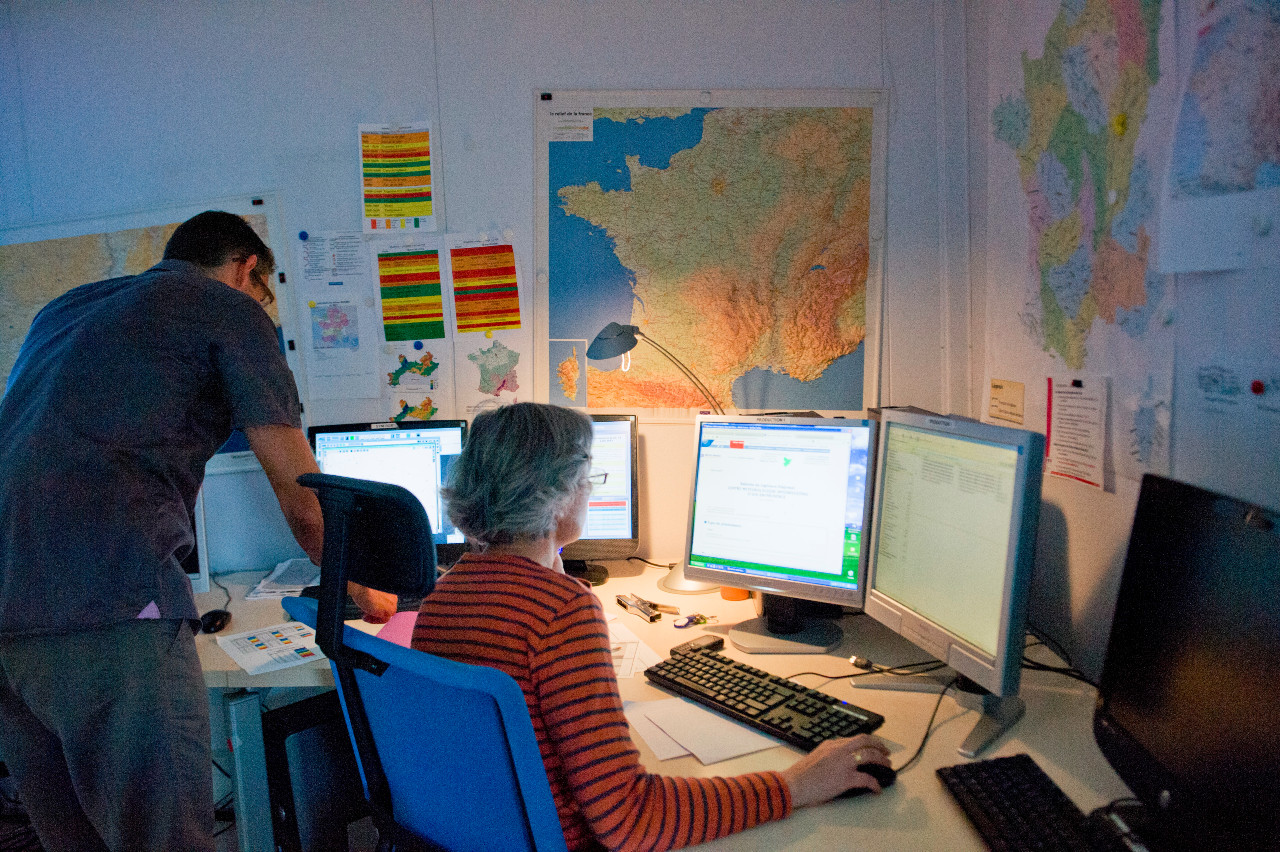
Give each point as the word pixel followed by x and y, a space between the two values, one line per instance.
pixel 1015 806
pixel 783 708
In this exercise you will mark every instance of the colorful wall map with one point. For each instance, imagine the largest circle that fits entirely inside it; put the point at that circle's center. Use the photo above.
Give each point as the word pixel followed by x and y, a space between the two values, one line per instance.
pixel 34 274
pixel 736 237
pixel 1228 133
pixel 1074 129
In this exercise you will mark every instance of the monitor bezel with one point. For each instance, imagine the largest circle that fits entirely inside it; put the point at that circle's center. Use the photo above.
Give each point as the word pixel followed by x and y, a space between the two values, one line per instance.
pixel 1149 578
pixel 999 673
pixel 595 549
pixel 447 553
pixel 852 598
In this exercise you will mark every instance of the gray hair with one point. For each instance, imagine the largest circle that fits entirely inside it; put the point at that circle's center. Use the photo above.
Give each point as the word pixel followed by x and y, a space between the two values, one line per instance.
pixel 521 466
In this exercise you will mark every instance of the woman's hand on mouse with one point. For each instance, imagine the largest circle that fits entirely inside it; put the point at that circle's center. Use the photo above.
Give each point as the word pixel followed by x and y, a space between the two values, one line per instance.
pixel 832 768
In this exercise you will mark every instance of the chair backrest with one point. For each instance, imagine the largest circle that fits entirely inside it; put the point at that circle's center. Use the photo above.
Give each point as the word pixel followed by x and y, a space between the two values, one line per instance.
pixel 446 751
pixel 456 746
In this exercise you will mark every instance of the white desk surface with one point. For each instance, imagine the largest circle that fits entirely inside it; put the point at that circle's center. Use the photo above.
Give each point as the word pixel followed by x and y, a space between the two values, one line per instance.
pixel 915 814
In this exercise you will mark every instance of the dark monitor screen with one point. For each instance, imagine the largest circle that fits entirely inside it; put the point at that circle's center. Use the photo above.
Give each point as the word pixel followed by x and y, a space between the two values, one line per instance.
pixel 613 512
pixel 1189 700
pixel 413 455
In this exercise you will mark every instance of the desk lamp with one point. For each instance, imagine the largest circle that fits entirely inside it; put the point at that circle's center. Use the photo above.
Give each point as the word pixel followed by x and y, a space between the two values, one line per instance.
pixel 614 340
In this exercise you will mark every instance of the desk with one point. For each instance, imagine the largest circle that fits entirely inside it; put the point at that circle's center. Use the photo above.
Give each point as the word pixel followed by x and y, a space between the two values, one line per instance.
pixel 916 813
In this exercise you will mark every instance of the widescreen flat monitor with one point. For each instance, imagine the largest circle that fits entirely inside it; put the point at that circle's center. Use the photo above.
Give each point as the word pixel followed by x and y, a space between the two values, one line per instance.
pixel 1188 701
pixel 779 506
pixel 613 510
pixel 415 455
pixel 954 520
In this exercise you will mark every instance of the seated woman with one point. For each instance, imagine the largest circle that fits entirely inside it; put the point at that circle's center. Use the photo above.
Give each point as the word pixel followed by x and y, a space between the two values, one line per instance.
pixel 519 492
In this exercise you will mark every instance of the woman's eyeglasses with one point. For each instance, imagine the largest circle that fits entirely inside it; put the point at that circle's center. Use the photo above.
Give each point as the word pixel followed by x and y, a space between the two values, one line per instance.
pixel 598 478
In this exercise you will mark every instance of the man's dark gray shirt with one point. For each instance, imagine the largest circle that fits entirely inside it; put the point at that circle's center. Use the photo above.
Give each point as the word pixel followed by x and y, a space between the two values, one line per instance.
pixel 122 390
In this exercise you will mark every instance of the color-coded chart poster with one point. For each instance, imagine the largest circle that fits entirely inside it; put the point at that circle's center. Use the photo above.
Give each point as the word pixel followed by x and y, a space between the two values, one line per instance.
pixel 395 176
pixel 485 295
pixel 409 283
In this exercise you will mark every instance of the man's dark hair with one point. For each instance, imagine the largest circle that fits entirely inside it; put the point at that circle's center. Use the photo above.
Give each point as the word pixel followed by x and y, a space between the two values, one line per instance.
pixel 211 238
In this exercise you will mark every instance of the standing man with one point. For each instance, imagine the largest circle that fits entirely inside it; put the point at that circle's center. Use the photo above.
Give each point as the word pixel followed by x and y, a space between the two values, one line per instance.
pixel 122 391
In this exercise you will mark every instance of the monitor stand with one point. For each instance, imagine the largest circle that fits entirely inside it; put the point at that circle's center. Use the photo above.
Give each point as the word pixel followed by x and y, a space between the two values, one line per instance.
pixel 999 713
pixel 786 626
pixel 677 583
pixel 592 572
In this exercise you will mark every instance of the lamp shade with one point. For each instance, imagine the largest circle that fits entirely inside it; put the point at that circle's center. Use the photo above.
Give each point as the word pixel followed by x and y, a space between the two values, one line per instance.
pixel 612 341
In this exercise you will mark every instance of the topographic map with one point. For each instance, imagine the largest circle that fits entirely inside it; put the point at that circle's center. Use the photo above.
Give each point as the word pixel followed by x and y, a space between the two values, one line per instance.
pixel 1228 133
pixel 1089 194
pixel 736 237
pixel 34 274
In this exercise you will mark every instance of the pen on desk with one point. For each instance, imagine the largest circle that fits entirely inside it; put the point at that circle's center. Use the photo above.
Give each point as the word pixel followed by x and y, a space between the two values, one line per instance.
pixel 661 607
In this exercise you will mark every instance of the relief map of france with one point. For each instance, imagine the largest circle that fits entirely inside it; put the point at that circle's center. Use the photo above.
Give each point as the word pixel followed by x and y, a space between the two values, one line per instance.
pixel 735 237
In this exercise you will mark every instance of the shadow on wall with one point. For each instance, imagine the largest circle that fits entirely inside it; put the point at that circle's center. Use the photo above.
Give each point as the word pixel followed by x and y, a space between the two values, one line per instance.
pixel 1081 627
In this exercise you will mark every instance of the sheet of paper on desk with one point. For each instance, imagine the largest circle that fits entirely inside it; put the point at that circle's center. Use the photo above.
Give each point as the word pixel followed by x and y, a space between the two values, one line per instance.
pixel 288 578
pixel 272 648
pixel 709 736
pixel 662 746
pixel 630 656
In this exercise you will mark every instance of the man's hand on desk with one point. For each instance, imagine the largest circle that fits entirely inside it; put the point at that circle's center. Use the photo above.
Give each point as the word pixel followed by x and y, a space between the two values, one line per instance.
pixel 832 768
pixel 378 607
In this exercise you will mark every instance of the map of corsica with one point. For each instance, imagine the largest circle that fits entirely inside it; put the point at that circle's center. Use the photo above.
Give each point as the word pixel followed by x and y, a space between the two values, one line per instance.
pixel 1075 130
pixel 497 368
pixel 568 374
pixel 745 249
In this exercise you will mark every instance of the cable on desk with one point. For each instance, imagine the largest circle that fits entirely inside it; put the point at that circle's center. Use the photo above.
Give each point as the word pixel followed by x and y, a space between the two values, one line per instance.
pixel 225 590
pixel 928 728
pixel 904 670
pixel 1069 670
pixel 654 564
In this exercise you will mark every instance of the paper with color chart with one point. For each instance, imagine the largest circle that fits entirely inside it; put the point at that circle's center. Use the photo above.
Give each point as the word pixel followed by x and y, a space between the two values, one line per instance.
pixel 270 649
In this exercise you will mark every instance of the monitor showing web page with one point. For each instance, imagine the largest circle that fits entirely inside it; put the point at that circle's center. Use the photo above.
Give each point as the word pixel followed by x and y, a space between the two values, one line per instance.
pixel 779 506
pixel 415 456
pixel 613 512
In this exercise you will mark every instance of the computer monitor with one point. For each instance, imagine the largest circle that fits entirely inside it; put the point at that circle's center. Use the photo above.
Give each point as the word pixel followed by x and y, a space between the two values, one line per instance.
pixel 613 511
pixel 779 506
pixel 953 534
pixel 1186 711
pixel 415 455
pixel 239 525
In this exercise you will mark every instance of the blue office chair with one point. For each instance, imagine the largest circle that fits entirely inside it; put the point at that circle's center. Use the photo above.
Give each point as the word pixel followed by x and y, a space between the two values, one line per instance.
pixel 446 751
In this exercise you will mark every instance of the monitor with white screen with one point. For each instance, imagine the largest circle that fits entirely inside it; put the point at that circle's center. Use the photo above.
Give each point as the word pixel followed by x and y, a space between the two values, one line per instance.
pixel 957 505
pixel 779 505
pixel 613 512
pixel 239 525
pixel 415 455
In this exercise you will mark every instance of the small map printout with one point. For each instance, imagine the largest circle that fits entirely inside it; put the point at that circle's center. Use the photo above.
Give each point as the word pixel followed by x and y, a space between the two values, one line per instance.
pixel 738 230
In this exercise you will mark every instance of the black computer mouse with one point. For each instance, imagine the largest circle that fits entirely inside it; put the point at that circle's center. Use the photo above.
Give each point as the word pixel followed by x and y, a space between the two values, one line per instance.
pixel 886 775
pixel 214 620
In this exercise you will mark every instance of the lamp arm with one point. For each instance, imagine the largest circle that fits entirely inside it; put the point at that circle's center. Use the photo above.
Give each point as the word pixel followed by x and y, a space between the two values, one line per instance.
pixel 715 404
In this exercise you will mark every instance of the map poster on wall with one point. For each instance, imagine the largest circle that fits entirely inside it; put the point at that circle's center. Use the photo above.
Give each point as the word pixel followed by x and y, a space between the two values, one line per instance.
pixel 395 177
pixel 742 231
pixel 40 263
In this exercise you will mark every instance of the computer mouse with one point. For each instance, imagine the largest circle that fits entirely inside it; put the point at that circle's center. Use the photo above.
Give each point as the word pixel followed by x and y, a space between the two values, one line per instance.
pixel 214 620
pixel 886 775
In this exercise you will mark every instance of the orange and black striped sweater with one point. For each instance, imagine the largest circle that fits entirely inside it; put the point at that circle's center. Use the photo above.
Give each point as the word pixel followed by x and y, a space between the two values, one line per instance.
pixel 548 632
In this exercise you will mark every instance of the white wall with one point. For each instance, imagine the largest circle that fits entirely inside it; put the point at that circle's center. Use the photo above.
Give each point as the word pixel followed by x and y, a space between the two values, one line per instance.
pixel 123 107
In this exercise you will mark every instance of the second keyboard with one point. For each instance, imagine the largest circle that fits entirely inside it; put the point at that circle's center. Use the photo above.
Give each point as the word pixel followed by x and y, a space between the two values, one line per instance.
pixel 791 712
